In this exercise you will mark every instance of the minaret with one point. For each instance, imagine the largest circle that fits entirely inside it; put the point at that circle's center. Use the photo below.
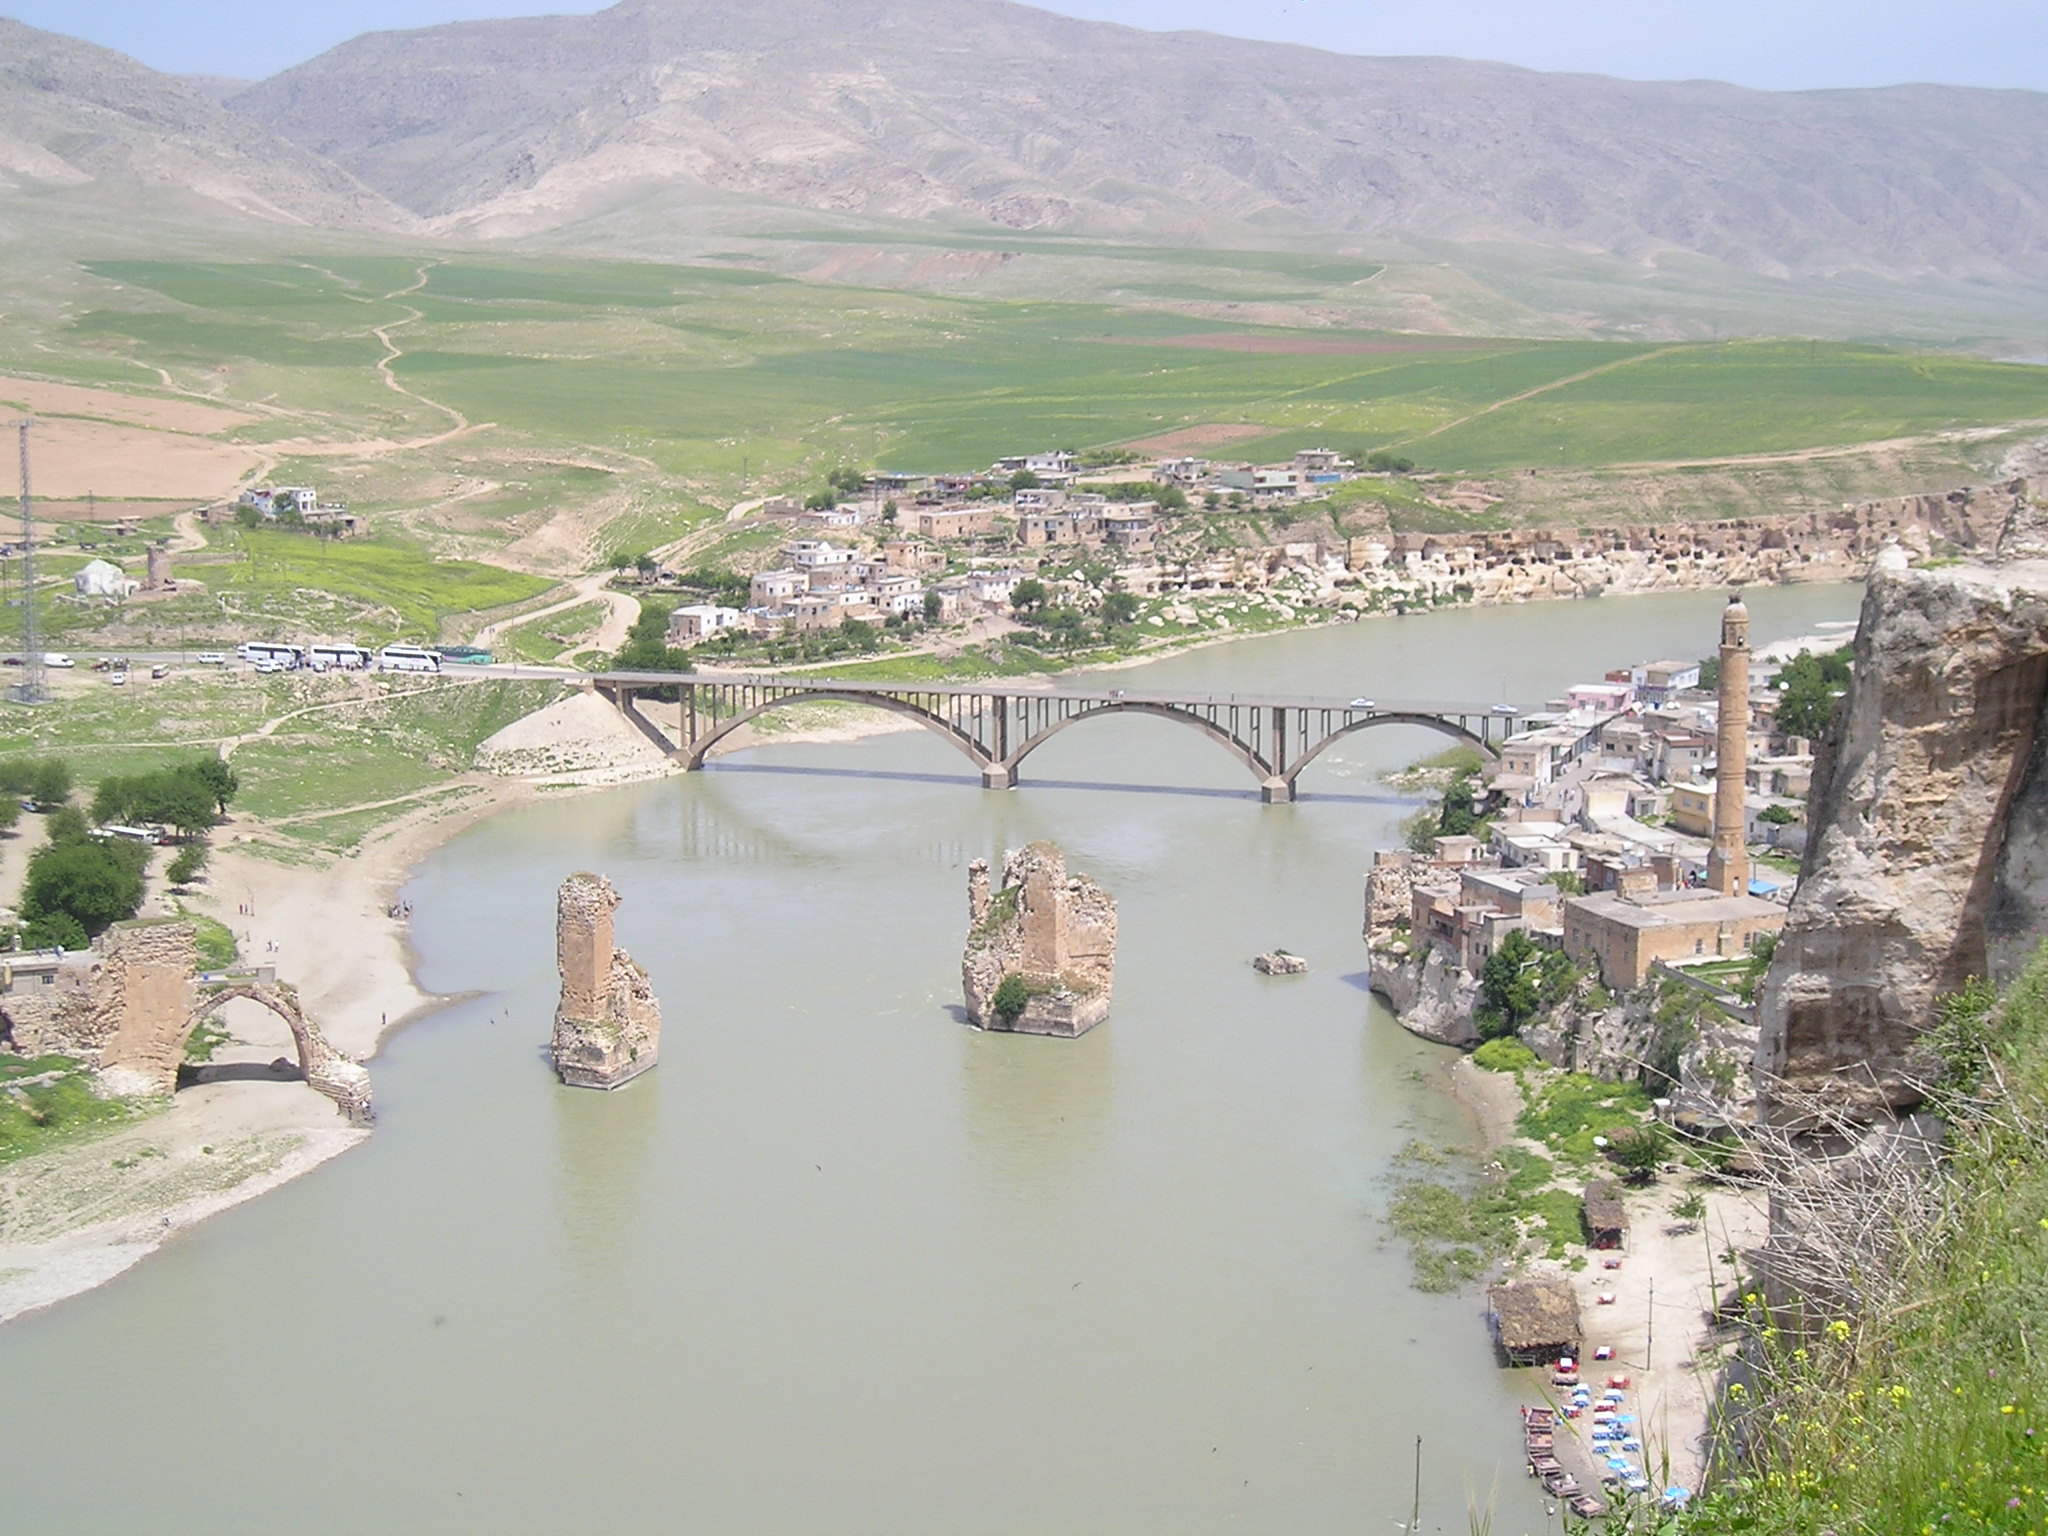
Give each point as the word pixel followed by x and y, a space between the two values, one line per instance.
pixel 1728 863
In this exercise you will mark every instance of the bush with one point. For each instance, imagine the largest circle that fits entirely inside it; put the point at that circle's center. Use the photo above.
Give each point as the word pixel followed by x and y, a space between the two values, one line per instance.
pixel 1011 999
pixel 185 867
pixel 1639 1151
pixel 1504 1055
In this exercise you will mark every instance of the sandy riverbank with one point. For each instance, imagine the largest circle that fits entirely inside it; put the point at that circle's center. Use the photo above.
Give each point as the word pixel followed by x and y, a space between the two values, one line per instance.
pixel 1671 1276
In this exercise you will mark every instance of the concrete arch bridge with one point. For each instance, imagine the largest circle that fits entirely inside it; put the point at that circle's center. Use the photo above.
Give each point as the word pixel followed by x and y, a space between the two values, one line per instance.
pixel 998 726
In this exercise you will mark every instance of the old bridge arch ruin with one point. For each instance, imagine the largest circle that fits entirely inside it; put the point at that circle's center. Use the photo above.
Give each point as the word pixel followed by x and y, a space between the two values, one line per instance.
pixel 127 1006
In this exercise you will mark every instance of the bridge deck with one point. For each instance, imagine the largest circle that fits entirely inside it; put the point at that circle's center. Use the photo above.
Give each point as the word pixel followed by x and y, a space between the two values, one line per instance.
pixel 998 689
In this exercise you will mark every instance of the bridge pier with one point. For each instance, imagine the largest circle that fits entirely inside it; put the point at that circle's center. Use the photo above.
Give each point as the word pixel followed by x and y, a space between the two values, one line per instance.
pixel 1277 791
pixel 998 776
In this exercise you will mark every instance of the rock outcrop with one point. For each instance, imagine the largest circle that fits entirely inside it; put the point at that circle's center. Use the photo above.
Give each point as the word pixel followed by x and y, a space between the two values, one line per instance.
pixel 1278 962
pixel 608 1024
pixel 1054 932
pixel 1928 859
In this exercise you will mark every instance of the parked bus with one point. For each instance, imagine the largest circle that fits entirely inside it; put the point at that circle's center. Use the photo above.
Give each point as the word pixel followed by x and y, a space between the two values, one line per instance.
pixel 408 658
pixel 287 657
pixel 342 658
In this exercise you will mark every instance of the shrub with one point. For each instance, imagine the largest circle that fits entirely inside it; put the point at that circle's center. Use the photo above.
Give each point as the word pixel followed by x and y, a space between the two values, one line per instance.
pixel 1504 1055
pixel 1012 998
pixel 1638 1150
pixel 185 867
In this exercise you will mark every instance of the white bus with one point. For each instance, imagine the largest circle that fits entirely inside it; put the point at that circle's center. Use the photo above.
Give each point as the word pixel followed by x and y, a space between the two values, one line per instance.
pixel 342 658
pixel 287 657
pixel 408 658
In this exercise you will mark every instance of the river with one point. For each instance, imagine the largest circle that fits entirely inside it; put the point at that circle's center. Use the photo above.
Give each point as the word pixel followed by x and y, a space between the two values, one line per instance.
pixel 840 1264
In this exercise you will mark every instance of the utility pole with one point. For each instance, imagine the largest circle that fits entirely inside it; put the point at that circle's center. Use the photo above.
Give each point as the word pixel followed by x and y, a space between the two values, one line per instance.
pixel 1415 1513
pixel 30 689
pixel 1650 1326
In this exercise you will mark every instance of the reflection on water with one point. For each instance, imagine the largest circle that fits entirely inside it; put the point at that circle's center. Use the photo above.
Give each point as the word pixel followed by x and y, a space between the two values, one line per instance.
pixel 839 1264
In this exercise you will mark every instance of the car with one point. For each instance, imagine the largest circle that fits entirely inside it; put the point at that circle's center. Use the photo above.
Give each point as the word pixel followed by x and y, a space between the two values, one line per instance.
pixel 1364 704
pixel 211 659
pixel 159 672
pixel 267 665
pixel 118 679
pixel 1505 709
pixel 11 661
pixel 57 659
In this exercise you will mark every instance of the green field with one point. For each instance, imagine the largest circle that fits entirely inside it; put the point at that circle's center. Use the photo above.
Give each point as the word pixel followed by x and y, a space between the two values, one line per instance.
pixel 704 371
pixel 403 591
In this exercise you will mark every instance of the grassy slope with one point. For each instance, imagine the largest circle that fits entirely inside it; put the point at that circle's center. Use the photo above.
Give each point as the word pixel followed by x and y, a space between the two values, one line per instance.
pixel 1932 1417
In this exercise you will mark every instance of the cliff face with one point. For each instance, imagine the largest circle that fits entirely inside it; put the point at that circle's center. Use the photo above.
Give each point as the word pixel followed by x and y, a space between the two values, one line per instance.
pixel 1927 864
pixel 1055 932
pixel 608 1024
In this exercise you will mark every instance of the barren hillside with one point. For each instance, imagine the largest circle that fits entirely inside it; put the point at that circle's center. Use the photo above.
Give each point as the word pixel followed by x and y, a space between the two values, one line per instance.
pixel 984 111
pixel 73 115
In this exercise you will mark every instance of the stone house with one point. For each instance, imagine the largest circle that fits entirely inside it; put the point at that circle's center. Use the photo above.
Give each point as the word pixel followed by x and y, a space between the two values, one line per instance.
pixel 956 522
pixel 1626 931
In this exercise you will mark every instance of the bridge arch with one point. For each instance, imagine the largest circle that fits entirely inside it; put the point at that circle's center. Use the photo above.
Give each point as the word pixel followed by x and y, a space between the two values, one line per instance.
pixel 1235 747
pixel 937 724
pixel 325 1070
pixel 1435 723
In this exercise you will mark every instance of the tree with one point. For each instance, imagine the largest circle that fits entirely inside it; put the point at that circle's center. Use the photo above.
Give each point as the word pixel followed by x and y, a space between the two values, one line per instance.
pixel 934 606
pixel 1172 498
pixel 10 812
pixel 185 867
pixel 1457 818
pixel 1119 608
pixel 647 648
pixel 1509 994
pixel 1638 1150
pixel 56 930
pixel 50 781
pixel 1810 690
pixel 220 779
pixel 1011 999
pixel 1710 673
pixel 91 881
pixel 1027 595
pixel 1778 815
pixel 1384 462
pixel 1025 480
pixel 647 566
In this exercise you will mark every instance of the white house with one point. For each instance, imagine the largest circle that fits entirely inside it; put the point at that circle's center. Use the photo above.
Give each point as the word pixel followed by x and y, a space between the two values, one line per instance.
pixel 817 554
pixel 698 621
pixel 99 578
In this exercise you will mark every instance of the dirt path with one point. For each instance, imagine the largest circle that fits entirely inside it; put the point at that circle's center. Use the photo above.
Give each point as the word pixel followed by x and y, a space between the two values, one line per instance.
pixel 621 612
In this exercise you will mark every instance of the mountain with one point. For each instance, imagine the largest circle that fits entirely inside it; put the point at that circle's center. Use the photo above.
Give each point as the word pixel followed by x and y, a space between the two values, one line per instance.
pixel 76 117
pixel 981 112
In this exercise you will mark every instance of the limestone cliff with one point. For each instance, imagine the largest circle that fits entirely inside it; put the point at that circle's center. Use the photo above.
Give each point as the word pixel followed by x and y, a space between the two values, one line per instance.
pixel 1056 933
pixel 608 1024
pixel 1926 864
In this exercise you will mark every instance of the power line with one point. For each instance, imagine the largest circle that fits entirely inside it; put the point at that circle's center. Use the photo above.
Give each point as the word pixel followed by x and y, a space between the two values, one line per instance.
pixel 30 689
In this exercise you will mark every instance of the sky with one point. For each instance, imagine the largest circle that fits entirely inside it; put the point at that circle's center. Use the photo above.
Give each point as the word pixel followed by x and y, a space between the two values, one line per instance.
pixel 1770 44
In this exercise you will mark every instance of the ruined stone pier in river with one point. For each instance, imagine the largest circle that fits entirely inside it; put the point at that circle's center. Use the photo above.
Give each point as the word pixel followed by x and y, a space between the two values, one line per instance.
pixel 998 726
pixel 1048 935
pixel 608 1024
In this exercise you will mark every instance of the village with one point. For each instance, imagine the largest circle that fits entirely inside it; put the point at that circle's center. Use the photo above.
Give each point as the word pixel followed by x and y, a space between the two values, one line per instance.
pixel 1145 548
pixel 1637 843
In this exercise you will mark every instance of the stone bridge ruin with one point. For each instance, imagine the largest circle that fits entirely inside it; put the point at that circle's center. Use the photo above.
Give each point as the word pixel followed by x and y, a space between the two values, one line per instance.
pixel 126 1007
